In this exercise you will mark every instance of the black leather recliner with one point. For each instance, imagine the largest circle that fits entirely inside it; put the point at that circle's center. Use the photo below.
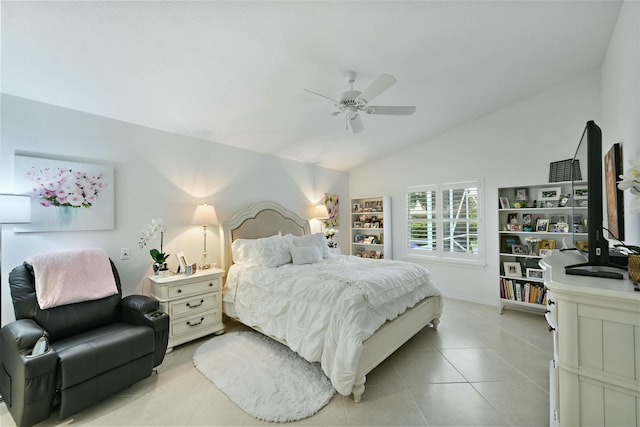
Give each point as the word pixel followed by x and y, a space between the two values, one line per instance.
pixel 96 348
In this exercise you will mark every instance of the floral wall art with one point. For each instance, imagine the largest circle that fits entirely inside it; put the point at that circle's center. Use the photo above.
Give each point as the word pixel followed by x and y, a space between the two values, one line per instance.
pixel 65 195
pixel 332 204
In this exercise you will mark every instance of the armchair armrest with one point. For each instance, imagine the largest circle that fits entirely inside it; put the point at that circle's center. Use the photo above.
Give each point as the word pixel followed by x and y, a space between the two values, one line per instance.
pixel 21 335
pixel 27 383
pixel 143 310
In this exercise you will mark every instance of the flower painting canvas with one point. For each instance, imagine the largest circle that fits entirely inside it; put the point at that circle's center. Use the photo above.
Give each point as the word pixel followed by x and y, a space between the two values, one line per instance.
pixel 332 204
pixel 65 195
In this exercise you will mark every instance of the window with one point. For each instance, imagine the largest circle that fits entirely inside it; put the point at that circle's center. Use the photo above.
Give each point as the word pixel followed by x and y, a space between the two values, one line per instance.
pixel 444 221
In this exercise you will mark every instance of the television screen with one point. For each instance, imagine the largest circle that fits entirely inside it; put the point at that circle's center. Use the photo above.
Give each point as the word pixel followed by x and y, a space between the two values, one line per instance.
pixel 615 196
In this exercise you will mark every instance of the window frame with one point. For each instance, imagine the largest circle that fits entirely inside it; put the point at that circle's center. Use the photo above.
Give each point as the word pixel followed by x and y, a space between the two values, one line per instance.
pixel 440 221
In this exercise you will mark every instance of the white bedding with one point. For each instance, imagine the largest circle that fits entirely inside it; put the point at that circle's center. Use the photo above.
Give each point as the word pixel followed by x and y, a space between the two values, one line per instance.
pixel 326 310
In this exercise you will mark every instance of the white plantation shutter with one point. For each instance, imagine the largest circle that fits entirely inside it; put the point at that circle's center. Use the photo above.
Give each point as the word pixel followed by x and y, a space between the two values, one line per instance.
pixel 445 221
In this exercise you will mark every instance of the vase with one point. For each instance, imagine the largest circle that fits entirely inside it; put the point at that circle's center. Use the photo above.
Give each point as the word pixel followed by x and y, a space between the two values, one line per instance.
pixel 66 215
pixel 160 268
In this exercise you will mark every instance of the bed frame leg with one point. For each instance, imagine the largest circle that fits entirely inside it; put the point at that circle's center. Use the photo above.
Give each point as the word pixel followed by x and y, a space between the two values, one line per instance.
pixel 358 389
pixel 435 323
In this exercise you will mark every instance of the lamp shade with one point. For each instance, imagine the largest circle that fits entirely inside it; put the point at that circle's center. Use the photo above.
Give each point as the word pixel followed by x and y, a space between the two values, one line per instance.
pixel 320 212
pixel 15 209
pixel 205 215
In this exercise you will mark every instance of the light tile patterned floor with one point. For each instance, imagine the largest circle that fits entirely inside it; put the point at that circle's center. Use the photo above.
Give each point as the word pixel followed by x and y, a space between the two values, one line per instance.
pixel 479 369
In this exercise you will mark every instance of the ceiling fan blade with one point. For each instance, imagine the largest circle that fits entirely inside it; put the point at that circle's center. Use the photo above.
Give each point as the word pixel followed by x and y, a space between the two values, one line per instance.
pixel 356 123
pixel 324 96
pixel 394 111
pixel 382 83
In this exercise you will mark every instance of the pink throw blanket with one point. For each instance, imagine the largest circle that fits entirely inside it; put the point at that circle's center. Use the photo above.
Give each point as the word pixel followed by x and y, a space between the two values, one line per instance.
pixel 72 276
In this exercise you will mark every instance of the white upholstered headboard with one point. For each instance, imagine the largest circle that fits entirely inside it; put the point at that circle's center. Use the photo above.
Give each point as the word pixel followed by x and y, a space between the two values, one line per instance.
pixel 262 219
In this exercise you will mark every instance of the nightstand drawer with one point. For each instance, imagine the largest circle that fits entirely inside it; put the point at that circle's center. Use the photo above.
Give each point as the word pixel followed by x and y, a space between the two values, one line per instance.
pixel 177 291
pixel 193 305
pixel 193 323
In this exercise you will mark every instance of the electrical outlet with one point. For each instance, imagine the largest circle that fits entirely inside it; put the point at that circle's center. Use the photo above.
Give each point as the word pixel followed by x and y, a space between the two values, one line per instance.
pixel 124 253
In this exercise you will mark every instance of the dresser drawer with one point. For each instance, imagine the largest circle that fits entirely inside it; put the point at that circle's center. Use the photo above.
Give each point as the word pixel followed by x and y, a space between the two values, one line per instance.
pixel 195 322
pixel 194 304
pixel 181 290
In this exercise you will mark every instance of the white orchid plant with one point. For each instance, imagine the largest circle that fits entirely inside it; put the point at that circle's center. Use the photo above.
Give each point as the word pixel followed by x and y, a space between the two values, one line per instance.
pixel 150 232
pixel 630 180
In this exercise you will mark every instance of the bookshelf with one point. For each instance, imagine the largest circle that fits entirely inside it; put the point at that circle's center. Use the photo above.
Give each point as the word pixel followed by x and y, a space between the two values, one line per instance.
pixel 534 220
pixel 371 227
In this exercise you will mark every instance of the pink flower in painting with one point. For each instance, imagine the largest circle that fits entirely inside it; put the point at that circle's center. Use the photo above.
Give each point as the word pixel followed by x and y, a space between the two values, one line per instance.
pixel 65 187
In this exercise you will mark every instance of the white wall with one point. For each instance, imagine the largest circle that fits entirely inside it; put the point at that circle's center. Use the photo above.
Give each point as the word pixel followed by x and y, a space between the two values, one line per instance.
pixel 157 174
pixel 621 99
pixel 510 147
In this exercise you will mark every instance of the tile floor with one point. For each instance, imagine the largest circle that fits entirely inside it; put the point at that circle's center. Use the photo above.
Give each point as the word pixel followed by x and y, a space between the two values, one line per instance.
pixel 479 369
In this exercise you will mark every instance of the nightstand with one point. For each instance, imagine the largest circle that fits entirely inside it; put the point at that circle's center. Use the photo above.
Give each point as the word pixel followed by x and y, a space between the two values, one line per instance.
pixel 194 304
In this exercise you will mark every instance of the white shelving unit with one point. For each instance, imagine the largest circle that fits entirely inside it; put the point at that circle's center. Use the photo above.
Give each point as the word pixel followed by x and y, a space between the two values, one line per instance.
pixel 534 218
pixel 371 227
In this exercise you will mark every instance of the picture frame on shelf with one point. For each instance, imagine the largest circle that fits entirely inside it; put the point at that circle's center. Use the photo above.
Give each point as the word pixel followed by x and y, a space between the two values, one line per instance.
pixel 561 227
pixel 356 208
pixel 581 196
pixel 549 197
pixel 535 273
pixel 357 224
pixel 521 194
pixel 520 249
pixel 504 203
pixel 512 269
pixel 506 241
pixel 542 224
pixel 564 200
pixel 546 244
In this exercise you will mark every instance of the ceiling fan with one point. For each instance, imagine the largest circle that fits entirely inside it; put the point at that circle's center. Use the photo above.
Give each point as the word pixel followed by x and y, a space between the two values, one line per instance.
pixel 353 102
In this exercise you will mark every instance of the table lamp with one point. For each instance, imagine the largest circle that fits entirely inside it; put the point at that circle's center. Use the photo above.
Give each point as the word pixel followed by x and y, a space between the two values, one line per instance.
pixel 205 215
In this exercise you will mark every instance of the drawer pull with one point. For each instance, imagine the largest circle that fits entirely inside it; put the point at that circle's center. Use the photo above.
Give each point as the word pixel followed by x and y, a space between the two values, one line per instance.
pixel 551 329
pixel 195 306
pixel 179 291
pixel 195 324
pixel 211 285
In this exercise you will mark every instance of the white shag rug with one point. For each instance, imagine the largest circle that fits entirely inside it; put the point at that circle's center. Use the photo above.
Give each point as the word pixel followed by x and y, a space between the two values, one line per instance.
pixel 263 377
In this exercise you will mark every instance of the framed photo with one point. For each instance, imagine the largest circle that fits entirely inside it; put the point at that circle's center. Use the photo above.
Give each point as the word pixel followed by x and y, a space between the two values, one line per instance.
pixel 512 269
pixel 358 238
pixel 549 197
pixel 546 244
pixel 535 273
pixel 356 207
pixel 506 242
pixel 564 200
pixel 357 224
pixel 545 252
pixel 561 227
pixel 520 249
pixel 580 192
pixel 182 261
pixel 504 203
pixel 542 224
pixel 521 194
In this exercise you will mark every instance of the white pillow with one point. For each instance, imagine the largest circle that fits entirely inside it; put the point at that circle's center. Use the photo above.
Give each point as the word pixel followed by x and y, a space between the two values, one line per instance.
pixel 267 252
pixel 317 240
pixel 305 255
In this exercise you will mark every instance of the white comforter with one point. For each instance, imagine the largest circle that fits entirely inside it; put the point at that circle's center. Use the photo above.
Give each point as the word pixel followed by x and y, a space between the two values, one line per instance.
pixel 324 311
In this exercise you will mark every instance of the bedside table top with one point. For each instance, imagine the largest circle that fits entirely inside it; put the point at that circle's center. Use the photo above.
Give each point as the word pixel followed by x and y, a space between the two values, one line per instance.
pixel 173 277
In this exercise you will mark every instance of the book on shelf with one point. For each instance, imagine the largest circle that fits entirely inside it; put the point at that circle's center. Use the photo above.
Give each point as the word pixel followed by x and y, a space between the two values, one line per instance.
pixel 515 290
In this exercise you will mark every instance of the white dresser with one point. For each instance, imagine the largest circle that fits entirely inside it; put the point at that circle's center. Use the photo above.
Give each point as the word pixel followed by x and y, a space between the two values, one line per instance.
pixel 595 374
pixel 194 304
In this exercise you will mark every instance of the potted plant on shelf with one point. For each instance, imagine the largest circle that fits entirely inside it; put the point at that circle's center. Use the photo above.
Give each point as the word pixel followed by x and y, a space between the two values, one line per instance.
pixel 158 256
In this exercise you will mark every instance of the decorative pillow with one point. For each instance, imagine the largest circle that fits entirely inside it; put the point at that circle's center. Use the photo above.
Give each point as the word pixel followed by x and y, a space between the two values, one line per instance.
pixel 317 240
pixel 305 255
pixel 267 252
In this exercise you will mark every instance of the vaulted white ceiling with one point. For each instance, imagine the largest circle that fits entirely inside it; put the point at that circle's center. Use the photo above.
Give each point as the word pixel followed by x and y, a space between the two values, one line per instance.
pixel 233 72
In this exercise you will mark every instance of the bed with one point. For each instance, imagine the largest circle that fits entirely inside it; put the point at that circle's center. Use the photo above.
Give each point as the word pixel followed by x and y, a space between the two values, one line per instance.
pixel 273 301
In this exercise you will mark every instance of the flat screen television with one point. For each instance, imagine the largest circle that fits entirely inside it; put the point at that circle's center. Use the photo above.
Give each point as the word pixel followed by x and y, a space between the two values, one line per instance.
pixel 597 255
